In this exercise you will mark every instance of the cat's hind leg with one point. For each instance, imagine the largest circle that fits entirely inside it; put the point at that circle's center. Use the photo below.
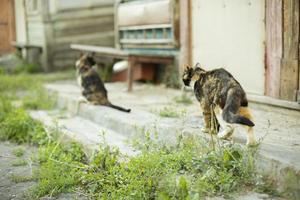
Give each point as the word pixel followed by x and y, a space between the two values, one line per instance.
pixel 227 129
pixel 245 112
pixel 206 116
pixel 207 119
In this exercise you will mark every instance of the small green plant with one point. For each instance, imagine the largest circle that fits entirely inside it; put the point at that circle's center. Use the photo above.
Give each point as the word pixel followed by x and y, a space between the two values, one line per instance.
pixel 19 127
pixel 19 152
pixel 59 169
pixel 5 107
pixel 183 99
pixel 2 71
pixel 171 77
pixel 106 72
pixel 27 68
pixel 19 162
pixel 170 111
pixel 19 179
pixel 38 99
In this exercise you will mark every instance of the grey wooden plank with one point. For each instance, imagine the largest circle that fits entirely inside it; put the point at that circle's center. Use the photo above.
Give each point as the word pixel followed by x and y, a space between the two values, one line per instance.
pixel 101 50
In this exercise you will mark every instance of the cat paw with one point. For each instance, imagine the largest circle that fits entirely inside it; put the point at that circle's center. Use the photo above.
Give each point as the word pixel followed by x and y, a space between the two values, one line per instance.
pixel 252 143
pixel 227 133
pixel 82 100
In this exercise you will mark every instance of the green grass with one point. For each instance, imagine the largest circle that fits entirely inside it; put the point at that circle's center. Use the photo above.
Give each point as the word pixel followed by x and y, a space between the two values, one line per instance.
pixel 191 169
pixel 170 112
pixel 188 170
pixel 19 152
pixel 27 68
pixel 29 90
pixel 15 123
pixel 19 127
pixel 19 162
pixel 183 99
pixel 59 169
pixel 19 179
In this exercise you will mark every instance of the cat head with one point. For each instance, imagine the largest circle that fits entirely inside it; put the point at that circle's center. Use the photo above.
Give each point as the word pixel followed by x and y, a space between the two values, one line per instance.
pixel 192 74
pixel 85 61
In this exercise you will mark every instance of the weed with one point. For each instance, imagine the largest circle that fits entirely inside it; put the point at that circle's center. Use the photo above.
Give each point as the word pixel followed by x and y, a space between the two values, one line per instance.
pixel 19 152
pixel 59 166
pixel 38 99
pixel 183 99
pixel 29 89
pixel 19 127
pixel 5 107
pixel 19 162
pixel 171 112
pixel 15 124
pixel 188 170
pixel 171 77
pixel 2 71
pixel 19 179
pixel 105 72
pixel 27 68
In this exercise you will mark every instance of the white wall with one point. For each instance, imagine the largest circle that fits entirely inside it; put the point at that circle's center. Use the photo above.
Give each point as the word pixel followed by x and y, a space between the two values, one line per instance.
pixel 231 34
pixel 21 33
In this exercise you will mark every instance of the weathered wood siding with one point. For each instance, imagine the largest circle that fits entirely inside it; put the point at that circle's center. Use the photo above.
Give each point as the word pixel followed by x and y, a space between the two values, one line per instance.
pixel 35 23
pixel 274 42
pixel 94 25
pixel 290 63
pixel 35 30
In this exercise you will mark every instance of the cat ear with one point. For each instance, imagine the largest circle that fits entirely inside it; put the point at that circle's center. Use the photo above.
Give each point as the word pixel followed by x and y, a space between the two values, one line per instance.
pixel 81 54
pixel 187 67
pixel 198 65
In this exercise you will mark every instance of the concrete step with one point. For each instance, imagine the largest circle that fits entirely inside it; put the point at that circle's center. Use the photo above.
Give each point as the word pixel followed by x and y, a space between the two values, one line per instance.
pixel 279 153
pixel 90 134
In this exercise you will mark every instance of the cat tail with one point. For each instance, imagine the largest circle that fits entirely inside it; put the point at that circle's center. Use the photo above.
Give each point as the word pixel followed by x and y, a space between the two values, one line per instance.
pixel 118 108
pixel 236 119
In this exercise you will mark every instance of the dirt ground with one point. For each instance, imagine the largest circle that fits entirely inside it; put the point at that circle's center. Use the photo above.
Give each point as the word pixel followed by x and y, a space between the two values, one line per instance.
pixel 8 188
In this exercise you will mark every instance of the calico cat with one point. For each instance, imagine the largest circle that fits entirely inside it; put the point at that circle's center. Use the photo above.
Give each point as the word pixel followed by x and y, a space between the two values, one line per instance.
pixel 93 89
pixel 221 95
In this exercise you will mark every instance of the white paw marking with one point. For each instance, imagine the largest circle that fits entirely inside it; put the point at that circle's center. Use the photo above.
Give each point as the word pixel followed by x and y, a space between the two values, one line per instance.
pixel 226 133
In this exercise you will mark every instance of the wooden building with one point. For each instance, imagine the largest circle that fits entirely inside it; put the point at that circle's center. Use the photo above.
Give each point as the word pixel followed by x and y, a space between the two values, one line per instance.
pixel 53 25
pixel 7 26
pixel 256 40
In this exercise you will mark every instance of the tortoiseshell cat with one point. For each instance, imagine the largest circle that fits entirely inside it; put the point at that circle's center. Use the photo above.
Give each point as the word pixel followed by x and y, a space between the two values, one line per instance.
pixel 93 89
pixel 218 92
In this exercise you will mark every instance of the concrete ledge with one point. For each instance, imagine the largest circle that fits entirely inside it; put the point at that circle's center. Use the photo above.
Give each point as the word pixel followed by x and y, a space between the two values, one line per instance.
pixel 265 100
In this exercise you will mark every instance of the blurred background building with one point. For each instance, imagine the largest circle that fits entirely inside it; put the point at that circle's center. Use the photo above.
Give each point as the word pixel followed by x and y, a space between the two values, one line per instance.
pixel 256 40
